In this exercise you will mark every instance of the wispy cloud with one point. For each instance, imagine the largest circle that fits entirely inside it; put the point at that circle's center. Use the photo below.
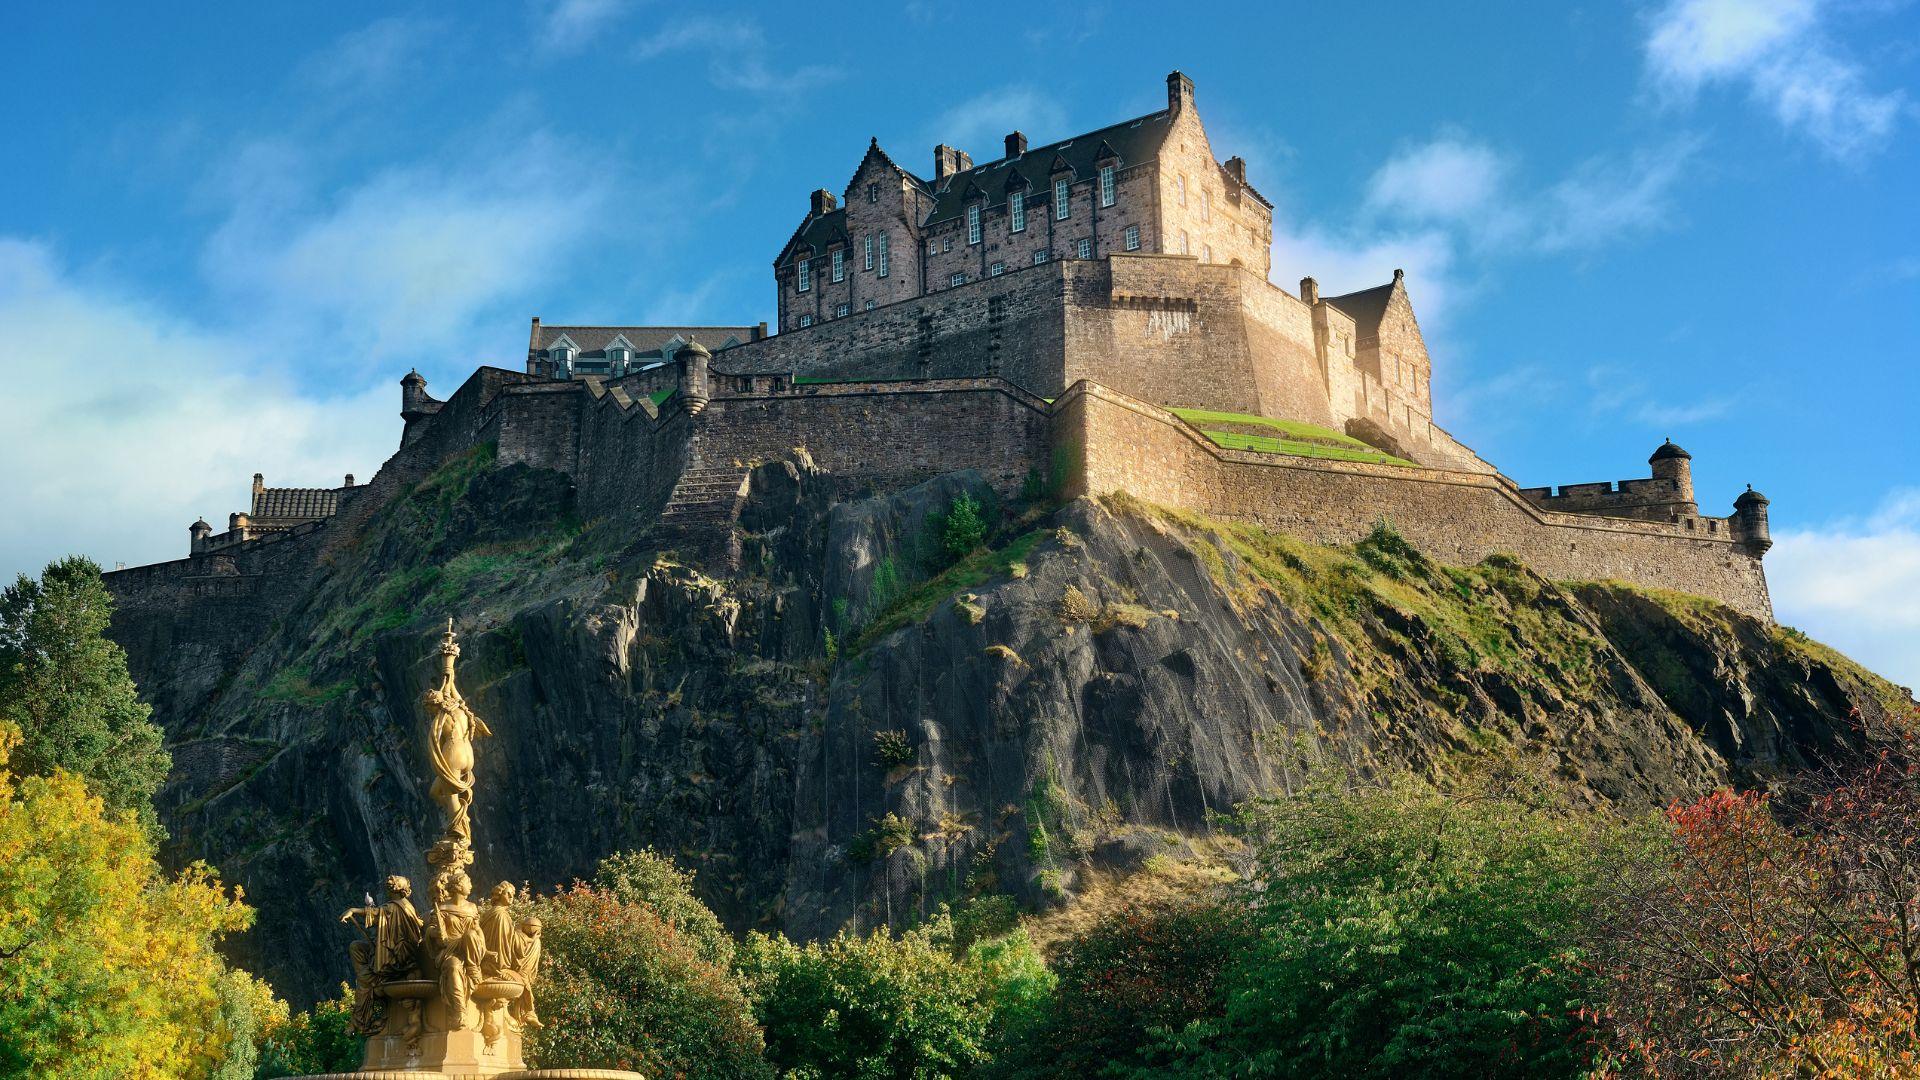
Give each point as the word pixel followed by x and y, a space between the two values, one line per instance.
pixel 570 25
pixel 1616 392
pixel 980 123
pixel 367 60
pixel 1855 583
pixel 737 52
pixel 170 419
pixel 1782 53
pixel 1470 188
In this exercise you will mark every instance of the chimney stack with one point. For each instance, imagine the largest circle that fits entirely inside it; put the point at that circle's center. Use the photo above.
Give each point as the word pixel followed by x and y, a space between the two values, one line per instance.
pixel 1309 290
pixel 1179 91
pixel 1237 168
pixel 259 483
pixel 947 161
pixel 349 479
pixel 1016 144
pixel 823 201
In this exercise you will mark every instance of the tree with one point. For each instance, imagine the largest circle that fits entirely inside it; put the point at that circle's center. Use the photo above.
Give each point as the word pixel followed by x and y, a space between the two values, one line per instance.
pixel 66 687
pixel 869 1006
pixel 248 1011
pixel 107 968
pixel 622 988
pixel 320 1040
pixel 1771 947
pixel 1406 931
pixel 649 878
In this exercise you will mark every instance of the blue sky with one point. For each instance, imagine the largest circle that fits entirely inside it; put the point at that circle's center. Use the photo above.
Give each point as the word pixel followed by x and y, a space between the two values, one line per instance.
pixel 223 240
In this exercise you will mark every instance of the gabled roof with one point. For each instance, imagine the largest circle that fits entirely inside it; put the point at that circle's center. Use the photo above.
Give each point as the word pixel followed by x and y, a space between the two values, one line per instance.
pixel 302 503
pixel 873 152
pixel 817 231
pixel 593 339
pixel 1368 306
pixel 1132 141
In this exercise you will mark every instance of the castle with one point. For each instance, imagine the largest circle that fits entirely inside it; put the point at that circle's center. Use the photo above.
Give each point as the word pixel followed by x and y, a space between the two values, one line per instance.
pixel 1095 313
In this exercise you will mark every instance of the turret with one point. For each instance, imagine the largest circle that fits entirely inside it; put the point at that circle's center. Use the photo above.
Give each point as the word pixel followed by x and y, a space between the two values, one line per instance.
pixel 413 397
pixel 1673 464
pixel 1750 522
pixel 696 381
pixel 197 534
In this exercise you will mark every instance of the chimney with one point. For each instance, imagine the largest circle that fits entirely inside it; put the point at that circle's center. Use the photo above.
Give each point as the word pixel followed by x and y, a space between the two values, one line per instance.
pixel 758 333
pixel 823 201
pixel 1016 144
pixel 349 480
pixel 948 160
pixel 1309 290
pixel 1237 168
pixel 1179 92
pixel 259 483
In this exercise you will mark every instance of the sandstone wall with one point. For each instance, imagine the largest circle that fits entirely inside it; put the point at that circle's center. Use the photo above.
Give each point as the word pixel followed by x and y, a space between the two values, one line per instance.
pixel 1456 517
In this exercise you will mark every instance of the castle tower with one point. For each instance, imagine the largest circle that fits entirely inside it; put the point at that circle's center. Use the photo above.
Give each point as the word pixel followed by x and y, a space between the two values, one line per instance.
pixel 197 534
pixel 696 380
pixel 1675 465
pixel 1750 521
pixel 413 396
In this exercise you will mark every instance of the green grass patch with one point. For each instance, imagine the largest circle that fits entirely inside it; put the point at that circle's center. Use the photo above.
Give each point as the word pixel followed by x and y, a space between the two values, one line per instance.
pixel 916 602
pixel 659 397
pixel 1263 444
pixel 1297 430
pixel 295 685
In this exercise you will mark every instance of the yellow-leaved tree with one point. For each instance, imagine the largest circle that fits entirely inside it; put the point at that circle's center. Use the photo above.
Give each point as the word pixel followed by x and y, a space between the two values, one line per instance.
pixel 107 966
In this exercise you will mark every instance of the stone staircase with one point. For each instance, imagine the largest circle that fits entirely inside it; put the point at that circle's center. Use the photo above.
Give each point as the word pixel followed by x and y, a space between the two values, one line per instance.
pixel 699 515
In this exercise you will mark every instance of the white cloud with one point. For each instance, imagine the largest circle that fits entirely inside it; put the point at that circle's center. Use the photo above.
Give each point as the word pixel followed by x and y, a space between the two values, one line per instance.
pixel 366 59
pixel 1347 261
pixel 737 54
pixel 151 421
pixel 1855 584
pixel 402 261
pixel 1468 187
pixel 1782 53
pixel 570 24
pixel 1615 392
pixel 980 124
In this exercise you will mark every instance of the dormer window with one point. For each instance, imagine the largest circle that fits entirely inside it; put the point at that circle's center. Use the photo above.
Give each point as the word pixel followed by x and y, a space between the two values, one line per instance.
pixel 973 224
pixel 1106 185
pixel 839 264
pixel 1062 205
pixel 562 360
pixel 619 357
pixel 1017 209
pixel 803 274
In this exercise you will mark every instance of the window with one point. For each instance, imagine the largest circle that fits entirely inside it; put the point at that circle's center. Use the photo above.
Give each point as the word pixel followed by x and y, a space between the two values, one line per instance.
pixel 1206 252
pixel 1039 257
pixel 839 264
pixel 1180 188
pixel 884 261
pixel 873 192
pixel 957 279
pixel 866 252
pixel 803 275
pixel 806 321
pixel 1083 248
pixel 1133 238
pixel 1106 185
pixel 563 359
pixel 933 247
pixel 998 269
pixel 1017 207
pixel 1061 203
pixel 1206 206
pixel 617 359
pixel 946 243
pixel 869 306
pixel 843 311
pixel 973 224
pixel 1183 243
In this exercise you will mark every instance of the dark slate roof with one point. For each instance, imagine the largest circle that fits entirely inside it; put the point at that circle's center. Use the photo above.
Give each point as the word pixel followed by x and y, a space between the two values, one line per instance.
pixel 1750 497
pixel 1368 306
pixel 817 232
pixel 1132 141
pixel 301 503
pixel 593 339
pixel 1669 449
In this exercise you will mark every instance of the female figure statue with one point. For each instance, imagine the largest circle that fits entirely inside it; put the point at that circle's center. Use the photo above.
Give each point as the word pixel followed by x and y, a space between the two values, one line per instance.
pixel 450 745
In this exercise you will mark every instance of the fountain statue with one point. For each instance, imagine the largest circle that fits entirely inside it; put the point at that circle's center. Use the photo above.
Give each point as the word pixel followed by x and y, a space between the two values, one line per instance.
pixel 448 993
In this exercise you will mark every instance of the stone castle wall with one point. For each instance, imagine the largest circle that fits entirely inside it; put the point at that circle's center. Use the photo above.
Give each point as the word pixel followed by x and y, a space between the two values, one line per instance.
pixel 1454 516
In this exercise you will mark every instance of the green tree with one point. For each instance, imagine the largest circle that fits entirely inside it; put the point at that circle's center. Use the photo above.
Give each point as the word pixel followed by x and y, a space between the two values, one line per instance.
pixel 320 1040
pixel 107 967
pixel 248 1011
pixel 963 527
pixel 66 687
pixel 870 1006
pixel 647 877
pixel 622 988
pixel 1406 931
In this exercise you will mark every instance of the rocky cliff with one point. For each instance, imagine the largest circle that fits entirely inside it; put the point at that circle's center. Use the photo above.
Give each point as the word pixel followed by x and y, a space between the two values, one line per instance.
pixel 853 726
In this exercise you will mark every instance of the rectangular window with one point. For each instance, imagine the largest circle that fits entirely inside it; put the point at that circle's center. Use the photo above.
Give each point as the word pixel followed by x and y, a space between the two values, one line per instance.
pixel 803 275
pixel 1180 188
pixel 1183 243
pixel 806 320
pixel 973 224
pixel 933 247
pixel 1017 208
pixel 1206 206
pixel 1083 248
pixel 884 260
pixel 1133 238
pixel 866 245
pixel 998 269
pixel 843 311
pixel 869 306
pixel 1206 252
pixel 873 192
pixel 1061 203
pixel 839 264
pixel 957 279
pixel 1039 257
pixel 1106 185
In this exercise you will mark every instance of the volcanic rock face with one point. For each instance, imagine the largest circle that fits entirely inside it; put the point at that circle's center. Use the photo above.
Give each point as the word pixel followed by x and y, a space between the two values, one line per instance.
pixel 854 727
